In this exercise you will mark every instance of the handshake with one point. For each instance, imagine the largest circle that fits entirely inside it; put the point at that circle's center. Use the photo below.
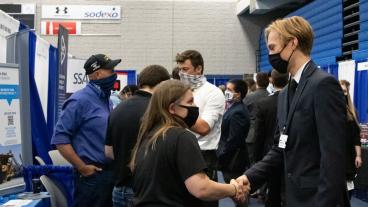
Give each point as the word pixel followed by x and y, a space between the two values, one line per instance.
pixel 242 187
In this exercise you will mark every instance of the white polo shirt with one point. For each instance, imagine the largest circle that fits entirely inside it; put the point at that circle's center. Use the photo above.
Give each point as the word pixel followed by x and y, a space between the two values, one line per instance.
pixel 211 103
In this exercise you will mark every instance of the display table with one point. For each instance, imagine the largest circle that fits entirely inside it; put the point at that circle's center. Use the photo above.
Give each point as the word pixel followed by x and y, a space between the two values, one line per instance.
pixel 33 203
pixel 27 199
pixel 63 176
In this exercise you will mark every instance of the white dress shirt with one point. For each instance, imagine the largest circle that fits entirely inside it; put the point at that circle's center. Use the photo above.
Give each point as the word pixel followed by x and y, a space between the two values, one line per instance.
pixel 299 72
pixel 211 103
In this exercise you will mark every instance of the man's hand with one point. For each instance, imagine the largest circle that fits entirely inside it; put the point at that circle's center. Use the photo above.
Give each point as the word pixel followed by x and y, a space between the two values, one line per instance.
pixel 88 170
pixel 244 182
pixel 243 189
pixel 239 196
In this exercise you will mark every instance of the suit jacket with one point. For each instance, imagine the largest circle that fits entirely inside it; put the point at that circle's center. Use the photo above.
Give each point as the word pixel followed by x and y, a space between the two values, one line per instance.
pixel 250 101
pixel 314 157
pixel 265 125
pixel 232 152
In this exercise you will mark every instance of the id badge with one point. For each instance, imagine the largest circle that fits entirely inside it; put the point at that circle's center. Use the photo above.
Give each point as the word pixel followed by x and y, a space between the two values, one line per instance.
pixel 282 141
pixel 350 185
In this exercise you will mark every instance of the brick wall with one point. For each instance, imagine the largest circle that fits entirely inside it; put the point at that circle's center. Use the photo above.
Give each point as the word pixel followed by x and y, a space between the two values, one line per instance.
pixel 153 31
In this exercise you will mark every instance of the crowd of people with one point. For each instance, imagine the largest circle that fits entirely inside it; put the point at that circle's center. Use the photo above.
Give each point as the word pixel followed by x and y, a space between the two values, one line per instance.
pixel 284 136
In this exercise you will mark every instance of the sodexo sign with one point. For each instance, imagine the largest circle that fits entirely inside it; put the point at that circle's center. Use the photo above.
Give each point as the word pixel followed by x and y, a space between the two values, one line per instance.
pixel 81 12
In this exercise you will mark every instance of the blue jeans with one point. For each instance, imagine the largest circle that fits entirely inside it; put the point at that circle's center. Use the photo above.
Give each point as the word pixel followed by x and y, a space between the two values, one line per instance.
pixel 122 196
pixel 94 190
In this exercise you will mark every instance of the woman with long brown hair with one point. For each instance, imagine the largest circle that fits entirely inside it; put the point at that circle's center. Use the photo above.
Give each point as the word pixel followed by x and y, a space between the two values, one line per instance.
pixel 167 164
pixel 354 159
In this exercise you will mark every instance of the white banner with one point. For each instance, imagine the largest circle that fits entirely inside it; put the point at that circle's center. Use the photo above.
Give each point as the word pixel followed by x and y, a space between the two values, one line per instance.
pixel 76 77
pixel 362 66
pixel 347 72
pixel 8 25
pixel 41 75
pixel 81 12
pixel 10 133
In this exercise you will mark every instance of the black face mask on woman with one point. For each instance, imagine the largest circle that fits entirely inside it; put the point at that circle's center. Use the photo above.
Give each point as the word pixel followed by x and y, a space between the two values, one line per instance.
pixel 278 63
pixel 192 116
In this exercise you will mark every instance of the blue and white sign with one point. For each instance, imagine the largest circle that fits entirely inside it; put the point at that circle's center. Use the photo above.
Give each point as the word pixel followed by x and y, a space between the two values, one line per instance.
pixel 10 131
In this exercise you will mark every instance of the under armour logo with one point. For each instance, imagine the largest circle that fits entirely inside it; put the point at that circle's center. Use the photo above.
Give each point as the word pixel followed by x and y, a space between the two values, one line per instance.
pixel 58 10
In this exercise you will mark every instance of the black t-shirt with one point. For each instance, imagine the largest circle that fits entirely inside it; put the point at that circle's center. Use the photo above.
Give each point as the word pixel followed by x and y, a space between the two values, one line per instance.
pixel 160 173
pixel 122 132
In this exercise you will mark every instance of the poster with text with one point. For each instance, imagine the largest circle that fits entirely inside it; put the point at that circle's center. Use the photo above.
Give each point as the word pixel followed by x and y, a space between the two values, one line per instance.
pixel 10 127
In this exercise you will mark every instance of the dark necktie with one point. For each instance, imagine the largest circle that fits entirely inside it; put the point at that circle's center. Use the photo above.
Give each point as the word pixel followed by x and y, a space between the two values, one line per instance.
pixel 292 89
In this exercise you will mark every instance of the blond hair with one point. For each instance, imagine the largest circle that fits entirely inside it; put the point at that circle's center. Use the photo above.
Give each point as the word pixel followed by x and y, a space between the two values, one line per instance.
pixel 157 118
pixel 351 114
pixel 291 27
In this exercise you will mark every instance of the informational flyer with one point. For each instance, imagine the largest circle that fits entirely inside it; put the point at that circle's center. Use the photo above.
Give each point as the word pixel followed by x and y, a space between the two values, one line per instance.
pixel 10 128
pixel 10 131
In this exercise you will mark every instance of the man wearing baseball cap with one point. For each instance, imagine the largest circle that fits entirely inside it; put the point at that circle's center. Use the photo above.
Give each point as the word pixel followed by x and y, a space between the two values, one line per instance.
pixel 80 133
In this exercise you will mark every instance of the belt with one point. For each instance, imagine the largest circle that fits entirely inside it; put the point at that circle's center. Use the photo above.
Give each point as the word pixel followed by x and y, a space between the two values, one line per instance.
pixel 105 166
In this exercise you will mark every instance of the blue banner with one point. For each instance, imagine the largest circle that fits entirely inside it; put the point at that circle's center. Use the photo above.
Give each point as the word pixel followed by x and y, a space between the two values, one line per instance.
pixel 52 109
pixel 9 92
pixel 40 135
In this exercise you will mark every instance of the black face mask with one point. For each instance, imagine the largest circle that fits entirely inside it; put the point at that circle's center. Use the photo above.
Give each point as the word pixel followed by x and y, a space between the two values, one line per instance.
pixel 106 84
pixel 278 63
pixel 192 116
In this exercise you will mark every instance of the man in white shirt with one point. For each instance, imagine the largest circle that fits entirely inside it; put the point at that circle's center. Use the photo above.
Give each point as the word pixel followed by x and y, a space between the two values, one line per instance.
pixel 211 103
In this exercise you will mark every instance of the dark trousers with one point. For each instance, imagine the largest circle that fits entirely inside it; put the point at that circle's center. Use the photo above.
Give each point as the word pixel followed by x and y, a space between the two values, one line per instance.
pixel 274 191
pixel 233 175
pixel 251 153
pixel 95 190
pixel 211 160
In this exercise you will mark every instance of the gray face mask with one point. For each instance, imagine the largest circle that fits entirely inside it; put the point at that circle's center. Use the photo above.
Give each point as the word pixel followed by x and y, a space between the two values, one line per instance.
pixel 195 81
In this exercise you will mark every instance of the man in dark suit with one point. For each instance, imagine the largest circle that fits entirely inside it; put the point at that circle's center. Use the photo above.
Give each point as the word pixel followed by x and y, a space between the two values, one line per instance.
pixel 232 152
pixel 249 101
pixel 311 123
pixel 265 113
pixel 264 130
